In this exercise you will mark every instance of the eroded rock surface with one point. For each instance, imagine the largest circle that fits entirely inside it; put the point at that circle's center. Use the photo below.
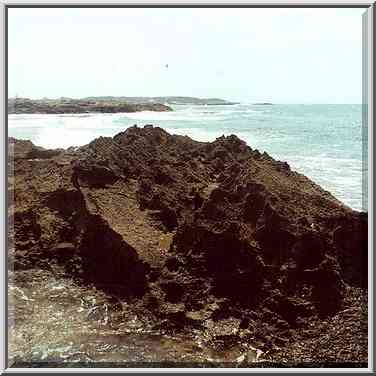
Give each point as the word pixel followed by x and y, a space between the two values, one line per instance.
pixel 201 235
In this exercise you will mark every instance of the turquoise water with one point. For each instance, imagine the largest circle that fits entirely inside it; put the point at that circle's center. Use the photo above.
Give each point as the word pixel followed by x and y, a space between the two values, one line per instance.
pixel 324 142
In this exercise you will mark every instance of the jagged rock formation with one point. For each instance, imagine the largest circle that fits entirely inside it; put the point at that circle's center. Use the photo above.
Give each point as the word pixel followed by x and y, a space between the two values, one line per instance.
pixel 205 235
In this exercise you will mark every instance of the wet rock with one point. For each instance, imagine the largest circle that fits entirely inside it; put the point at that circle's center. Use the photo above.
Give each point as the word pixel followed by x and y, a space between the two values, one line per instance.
pixel 250 356
pixel 226 327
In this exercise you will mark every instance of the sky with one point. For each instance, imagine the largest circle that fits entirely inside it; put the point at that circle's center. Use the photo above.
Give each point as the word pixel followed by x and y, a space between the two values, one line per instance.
pixel 248 55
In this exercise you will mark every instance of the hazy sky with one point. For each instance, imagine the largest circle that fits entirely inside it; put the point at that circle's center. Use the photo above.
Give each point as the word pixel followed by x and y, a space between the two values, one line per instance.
pixel 278 55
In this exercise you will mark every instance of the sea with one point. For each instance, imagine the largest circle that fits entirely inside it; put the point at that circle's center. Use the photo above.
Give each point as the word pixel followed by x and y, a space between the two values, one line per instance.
pixel 327 143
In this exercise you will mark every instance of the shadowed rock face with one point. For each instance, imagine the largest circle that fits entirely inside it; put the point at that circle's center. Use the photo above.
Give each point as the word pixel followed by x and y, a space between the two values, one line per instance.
pixel 199 231
pixel 25 149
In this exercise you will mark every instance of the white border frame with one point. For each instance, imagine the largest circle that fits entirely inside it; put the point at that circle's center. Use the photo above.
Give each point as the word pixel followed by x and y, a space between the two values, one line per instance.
pixel 3 178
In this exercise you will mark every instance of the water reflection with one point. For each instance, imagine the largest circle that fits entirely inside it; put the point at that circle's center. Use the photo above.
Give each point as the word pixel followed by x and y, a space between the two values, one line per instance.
pixel 56 322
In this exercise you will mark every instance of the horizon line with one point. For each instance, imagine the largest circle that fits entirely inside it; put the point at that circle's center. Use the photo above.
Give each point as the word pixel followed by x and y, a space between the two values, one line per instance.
pixel 237 101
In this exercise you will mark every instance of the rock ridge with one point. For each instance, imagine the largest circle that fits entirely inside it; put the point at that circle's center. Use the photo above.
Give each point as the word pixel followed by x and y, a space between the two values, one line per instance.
pixel 197 233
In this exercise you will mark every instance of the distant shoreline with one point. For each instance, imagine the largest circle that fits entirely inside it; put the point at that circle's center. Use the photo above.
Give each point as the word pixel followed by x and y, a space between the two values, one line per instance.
pixel 105 104
pixel 78 106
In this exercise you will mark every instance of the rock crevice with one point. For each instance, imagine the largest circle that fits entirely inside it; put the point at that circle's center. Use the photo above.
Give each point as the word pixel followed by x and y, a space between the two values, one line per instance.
pixel 198 232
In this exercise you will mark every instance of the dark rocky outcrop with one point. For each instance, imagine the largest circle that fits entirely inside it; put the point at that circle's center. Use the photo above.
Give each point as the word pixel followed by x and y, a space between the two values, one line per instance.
pixel 78 106
pixel 199 232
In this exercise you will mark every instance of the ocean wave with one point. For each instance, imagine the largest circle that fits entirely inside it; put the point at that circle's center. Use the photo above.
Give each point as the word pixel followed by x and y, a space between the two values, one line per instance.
pixel 340 176
pixel 174 116
pixel 333 160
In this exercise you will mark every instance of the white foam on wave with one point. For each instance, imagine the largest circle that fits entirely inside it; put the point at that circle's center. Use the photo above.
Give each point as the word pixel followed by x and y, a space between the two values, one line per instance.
pixel 62 131
pixel 342 177
pixel 332 168
pixel 175 116
pixel 195 113
pixel 62 138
